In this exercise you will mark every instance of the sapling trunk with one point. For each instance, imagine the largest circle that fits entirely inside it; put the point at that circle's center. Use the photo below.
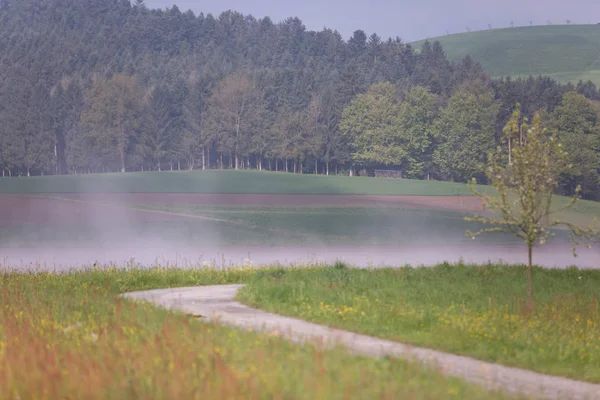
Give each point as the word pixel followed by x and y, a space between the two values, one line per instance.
pixel 530 275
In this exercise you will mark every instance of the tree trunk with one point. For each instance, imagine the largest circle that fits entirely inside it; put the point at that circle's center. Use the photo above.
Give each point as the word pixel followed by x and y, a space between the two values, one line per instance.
pixel 327 166
pixel 208 156
pixel 286 165
pixel 316 167
pixel 237 161
pixel 529 275
pixel 221 161
pixel 178 165
pixel 295 166
pixel 203 159
pixel 276 165
pixel 57 166
pixel 28 173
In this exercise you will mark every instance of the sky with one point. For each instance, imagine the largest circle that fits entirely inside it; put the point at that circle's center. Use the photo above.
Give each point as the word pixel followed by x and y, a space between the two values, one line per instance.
pixel 408 19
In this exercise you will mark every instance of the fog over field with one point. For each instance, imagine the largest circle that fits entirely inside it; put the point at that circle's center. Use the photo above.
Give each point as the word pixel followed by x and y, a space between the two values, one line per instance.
pixel 177 254
pixel 108 234
pixel 104 219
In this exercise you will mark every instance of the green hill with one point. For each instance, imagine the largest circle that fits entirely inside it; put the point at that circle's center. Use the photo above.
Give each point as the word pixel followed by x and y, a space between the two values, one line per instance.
pixel 567 53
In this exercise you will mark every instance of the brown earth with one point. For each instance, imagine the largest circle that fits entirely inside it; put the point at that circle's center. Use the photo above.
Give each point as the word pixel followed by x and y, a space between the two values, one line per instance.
pixel 456 203
pixel 17 210
pixel 96 209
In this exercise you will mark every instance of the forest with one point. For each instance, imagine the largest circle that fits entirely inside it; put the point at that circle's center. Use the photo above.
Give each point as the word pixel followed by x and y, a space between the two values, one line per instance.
pixel 92 86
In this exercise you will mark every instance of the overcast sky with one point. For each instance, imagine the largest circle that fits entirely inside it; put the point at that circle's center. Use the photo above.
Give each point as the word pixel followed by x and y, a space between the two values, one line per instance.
pixel 408 19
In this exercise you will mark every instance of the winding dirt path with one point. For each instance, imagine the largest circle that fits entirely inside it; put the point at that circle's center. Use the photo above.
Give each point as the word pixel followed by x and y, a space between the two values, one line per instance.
pixel 217 303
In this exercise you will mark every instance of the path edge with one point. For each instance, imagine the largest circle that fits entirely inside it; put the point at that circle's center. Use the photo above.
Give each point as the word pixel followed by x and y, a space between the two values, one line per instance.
pixel 217 304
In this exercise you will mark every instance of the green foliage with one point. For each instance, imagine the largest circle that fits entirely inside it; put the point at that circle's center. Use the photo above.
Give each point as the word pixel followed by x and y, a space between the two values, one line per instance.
pixel 383 130
pixel 291 86
pixel 162 127
pixel 113 117
pixel 575 122
pixel 477 311
pixel 371 124
pixel 525 187
pixel 233 111
pixel 465 133
pixel 416 116
pixel 527 184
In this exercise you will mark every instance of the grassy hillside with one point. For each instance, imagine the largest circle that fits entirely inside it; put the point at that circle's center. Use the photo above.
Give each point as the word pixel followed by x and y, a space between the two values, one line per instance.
pixel 251 182
pixel 567 53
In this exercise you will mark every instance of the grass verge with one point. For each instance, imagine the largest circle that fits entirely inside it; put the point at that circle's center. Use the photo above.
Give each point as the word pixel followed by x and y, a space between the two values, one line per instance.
pixel 227 182
pixel 72 336
pixel 474 311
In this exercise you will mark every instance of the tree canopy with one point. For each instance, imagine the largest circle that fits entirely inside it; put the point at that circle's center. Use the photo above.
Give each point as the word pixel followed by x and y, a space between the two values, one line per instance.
pixel 111 85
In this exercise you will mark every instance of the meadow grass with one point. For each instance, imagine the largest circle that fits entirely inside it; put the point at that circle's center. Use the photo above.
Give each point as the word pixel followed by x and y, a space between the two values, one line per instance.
pixel 474 311
pixel 71 336
pixel 226 182
pixel 567 53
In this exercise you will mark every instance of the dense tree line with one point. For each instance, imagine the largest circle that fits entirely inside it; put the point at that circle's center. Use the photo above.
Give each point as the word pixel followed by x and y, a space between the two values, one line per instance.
pixel 109 85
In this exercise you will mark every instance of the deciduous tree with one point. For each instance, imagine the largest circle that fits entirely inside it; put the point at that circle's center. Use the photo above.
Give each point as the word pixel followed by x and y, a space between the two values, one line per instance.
pixel 576 124
pixel 465 133
pixel 232 112
pixel 370 123
pixel 114 114
pixel 416 118
pixel 523 205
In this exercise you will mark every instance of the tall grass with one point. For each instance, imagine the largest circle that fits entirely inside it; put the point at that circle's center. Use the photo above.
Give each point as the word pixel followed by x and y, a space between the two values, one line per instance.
pixel 71 336
pixel 475 311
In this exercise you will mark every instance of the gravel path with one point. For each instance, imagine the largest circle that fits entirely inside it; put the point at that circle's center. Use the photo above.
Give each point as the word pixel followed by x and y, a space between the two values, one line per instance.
pixel 216 303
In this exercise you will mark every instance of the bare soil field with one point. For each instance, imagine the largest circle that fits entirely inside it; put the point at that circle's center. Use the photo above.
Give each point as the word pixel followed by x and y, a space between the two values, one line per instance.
pixel 93 208
pixel 18 210
pixel 455 203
